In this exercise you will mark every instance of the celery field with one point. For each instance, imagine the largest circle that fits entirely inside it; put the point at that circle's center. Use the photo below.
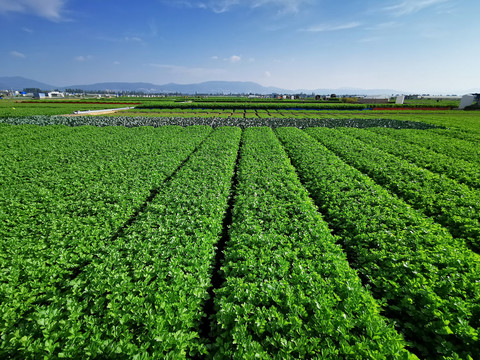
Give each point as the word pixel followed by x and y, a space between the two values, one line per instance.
pixel 170 238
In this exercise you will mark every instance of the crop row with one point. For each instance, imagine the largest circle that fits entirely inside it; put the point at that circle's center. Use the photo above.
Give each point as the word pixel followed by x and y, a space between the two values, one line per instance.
pixel 289 291
pixel 457 169
pixel 453 147
pixel 470 135
pixel 453 205
pixel 426 280
pixel 65 198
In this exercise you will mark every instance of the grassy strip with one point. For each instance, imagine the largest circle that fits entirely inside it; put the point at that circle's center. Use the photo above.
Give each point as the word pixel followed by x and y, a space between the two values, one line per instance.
pixel 289 291
pixel 459 170
pixel 64 199
pixel 426 280
pixel 453 205
pixel 455 148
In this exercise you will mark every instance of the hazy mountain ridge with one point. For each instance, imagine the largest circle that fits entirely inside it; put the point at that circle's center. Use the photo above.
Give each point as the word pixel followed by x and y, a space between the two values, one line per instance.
pixel 209 87
pixel 19 83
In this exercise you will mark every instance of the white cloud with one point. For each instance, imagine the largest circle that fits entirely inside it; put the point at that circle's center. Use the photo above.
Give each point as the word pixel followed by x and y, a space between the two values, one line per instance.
pixel 268 74
pixel 17 54
pixel 234 59
pixel 116 62
pixel 325 27
pixel 49 9
pixel 412 6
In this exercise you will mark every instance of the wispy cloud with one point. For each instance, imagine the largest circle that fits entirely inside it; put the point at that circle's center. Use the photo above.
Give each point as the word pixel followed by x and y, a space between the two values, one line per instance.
pixel 330 27
pixel 384 26
pixel 17 54
pixel 50 9
pixel 231 59
pixel 124 39
pixel 221 6
pixel 234 59
pixel 134 39
pixel 412 6
pixel 83 58
pixel 370 40
pixel 152 26
pixel 286 6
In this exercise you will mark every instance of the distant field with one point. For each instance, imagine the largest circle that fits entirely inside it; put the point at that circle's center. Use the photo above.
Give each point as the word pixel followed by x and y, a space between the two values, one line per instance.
pixel 14 108
pixel 209 107
pixel 239 233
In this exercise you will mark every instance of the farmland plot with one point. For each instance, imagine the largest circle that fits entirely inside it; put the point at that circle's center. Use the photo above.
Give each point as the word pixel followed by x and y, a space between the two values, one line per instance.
pixel 289 291
pixel 201 242
pixel 410 262
pixel 64 199
pixel 451 146
pixel 457 169
pixel 454 205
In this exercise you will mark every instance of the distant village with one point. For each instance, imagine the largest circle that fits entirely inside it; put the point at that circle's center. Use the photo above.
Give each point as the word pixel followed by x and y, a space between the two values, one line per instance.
pixel 33 93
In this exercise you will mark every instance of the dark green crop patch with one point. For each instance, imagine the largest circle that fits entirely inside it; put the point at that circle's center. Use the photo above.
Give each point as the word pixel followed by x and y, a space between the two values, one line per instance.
pixel 303 121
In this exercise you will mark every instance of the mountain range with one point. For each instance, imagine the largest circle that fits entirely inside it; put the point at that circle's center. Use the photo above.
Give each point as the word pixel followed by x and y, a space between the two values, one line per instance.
pixel 210 87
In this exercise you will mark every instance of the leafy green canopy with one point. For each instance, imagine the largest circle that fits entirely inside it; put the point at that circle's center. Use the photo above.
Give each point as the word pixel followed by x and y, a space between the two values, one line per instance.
pixel 427 280
pixel 289 291
pixel 454 205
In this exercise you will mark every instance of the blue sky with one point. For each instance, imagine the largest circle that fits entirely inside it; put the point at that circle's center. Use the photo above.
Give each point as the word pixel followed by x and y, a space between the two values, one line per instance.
pixel 421 46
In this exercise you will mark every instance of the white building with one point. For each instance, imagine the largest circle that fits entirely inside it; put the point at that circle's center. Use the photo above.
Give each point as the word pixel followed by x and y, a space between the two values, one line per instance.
pixel 39 95
pixel 56 94
pixel 468 100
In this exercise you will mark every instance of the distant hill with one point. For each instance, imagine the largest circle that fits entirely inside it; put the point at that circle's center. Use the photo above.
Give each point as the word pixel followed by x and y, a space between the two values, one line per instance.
pixel 20 83
pixel 209 87
pixel 222 87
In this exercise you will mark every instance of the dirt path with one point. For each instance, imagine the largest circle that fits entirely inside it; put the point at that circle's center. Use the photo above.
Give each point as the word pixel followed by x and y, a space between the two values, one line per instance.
pixel 96 112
